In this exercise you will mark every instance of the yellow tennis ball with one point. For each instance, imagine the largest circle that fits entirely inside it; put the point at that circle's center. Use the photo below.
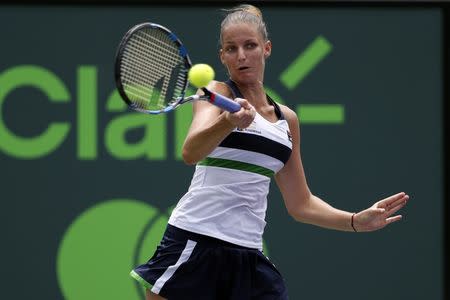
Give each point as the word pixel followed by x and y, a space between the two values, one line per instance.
pixel 200 75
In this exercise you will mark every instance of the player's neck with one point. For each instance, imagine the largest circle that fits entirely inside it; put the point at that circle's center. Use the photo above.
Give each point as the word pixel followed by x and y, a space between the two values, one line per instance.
pixel 254 93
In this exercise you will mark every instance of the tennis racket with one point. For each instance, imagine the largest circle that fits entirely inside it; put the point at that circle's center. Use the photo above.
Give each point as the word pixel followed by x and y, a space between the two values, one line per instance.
pixel 151 72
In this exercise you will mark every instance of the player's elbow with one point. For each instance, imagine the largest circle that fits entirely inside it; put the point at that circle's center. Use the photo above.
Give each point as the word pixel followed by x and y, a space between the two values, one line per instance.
pixel 299 211
pixel 188 158
pixel 297 214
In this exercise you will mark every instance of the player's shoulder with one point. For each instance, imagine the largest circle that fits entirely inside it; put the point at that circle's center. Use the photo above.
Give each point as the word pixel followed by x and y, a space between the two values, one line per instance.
pixel 293 121
pixel 220 87
pixel 289 114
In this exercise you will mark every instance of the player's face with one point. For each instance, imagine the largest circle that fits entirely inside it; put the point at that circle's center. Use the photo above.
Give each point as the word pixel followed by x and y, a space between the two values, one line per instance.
pixel 244 52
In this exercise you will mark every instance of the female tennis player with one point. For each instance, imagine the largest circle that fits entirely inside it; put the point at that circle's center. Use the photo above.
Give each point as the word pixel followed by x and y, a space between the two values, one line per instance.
pixel 212 247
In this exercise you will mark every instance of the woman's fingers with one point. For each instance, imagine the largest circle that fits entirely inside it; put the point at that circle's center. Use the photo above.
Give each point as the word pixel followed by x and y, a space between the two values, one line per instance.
pixel 393 200
pixel 245 116
pixel 393 219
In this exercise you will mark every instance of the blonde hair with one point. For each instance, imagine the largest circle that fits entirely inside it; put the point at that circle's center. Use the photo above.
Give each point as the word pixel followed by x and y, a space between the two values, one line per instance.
pixel 245 13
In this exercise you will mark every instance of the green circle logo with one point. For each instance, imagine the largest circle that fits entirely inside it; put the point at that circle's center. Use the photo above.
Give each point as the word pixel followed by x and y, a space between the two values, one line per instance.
pixel 103 244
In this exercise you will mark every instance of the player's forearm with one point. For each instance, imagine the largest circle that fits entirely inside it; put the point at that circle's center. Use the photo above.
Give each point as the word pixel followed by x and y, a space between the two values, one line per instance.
pixel 200 142
pixel 317 212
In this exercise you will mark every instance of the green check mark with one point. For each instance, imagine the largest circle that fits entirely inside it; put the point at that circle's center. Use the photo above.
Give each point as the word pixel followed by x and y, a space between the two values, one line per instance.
pixel 298 70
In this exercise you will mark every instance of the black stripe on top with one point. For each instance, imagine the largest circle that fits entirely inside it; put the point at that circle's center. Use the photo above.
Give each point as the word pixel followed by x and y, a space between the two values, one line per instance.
pixel 257 143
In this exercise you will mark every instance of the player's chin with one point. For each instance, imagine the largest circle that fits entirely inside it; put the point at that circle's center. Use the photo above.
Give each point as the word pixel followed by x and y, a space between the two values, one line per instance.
pixel 245 78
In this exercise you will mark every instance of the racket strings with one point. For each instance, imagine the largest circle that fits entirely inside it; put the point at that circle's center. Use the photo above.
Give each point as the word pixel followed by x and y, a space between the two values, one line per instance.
pixel 167 48
pixel 141 46
pixel 151 62
pixel 142 78
pixel 137 83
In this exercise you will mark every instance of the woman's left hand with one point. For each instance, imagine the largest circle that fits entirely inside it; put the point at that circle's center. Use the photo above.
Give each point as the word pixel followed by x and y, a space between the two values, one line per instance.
pixel 380 214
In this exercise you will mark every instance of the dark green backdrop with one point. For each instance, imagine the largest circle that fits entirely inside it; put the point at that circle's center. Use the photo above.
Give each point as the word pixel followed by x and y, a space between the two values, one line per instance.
pixel 76 216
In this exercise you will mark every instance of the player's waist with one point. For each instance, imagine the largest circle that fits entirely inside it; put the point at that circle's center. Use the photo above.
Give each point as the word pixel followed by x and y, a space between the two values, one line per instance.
pixel 205 240
pixel 233 236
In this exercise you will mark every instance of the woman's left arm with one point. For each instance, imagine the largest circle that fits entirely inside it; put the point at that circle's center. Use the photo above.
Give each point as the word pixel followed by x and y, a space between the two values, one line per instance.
pixel 305 207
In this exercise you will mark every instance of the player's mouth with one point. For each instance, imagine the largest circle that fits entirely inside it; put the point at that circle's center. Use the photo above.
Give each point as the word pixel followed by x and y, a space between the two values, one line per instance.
pixel 244 68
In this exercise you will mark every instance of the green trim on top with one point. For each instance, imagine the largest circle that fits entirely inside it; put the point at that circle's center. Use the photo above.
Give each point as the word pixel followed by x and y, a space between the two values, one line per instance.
pixel 141 280
pixel 237 165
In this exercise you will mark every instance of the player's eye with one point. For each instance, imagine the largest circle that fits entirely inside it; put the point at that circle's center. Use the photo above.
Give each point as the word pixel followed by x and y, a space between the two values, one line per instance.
pixel 230 49
pixel 250 45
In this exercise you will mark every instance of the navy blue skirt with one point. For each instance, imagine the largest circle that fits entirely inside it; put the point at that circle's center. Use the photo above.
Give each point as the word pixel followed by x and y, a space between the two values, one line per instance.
pixel 187 266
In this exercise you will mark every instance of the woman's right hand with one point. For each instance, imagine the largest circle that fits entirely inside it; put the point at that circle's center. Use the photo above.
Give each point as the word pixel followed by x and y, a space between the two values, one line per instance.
pixel 244 117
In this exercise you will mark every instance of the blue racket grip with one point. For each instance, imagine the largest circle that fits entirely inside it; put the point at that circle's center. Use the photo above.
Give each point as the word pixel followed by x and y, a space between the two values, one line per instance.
pixel 224 102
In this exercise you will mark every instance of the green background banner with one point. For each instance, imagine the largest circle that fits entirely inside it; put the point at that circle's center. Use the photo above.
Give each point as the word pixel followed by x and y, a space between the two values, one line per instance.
pixel 87 186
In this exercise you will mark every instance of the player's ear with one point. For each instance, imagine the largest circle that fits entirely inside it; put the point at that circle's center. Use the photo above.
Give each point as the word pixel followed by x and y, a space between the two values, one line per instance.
pixel 267 49
pixel 222 60
pixel 221 56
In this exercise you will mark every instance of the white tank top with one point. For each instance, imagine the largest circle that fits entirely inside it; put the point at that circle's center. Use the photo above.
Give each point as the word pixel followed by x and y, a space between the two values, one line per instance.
pixel 227 198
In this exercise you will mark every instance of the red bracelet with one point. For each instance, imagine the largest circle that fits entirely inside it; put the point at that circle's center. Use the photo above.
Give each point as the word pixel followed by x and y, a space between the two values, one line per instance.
pixel 353 226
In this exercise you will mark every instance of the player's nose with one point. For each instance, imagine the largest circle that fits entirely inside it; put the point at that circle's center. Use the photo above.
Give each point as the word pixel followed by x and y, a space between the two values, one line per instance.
pixel 241 54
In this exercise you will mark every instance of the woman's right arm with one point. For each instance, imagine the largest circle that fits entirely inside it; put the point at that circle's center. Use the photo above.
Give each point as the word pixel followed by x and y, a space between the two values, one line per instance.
pixel 210 125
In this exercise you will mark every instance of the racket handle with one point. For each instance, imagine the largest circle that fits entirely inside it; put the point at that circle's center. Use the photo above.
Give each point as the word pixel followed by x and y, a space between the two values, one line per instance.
pixel 224 102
